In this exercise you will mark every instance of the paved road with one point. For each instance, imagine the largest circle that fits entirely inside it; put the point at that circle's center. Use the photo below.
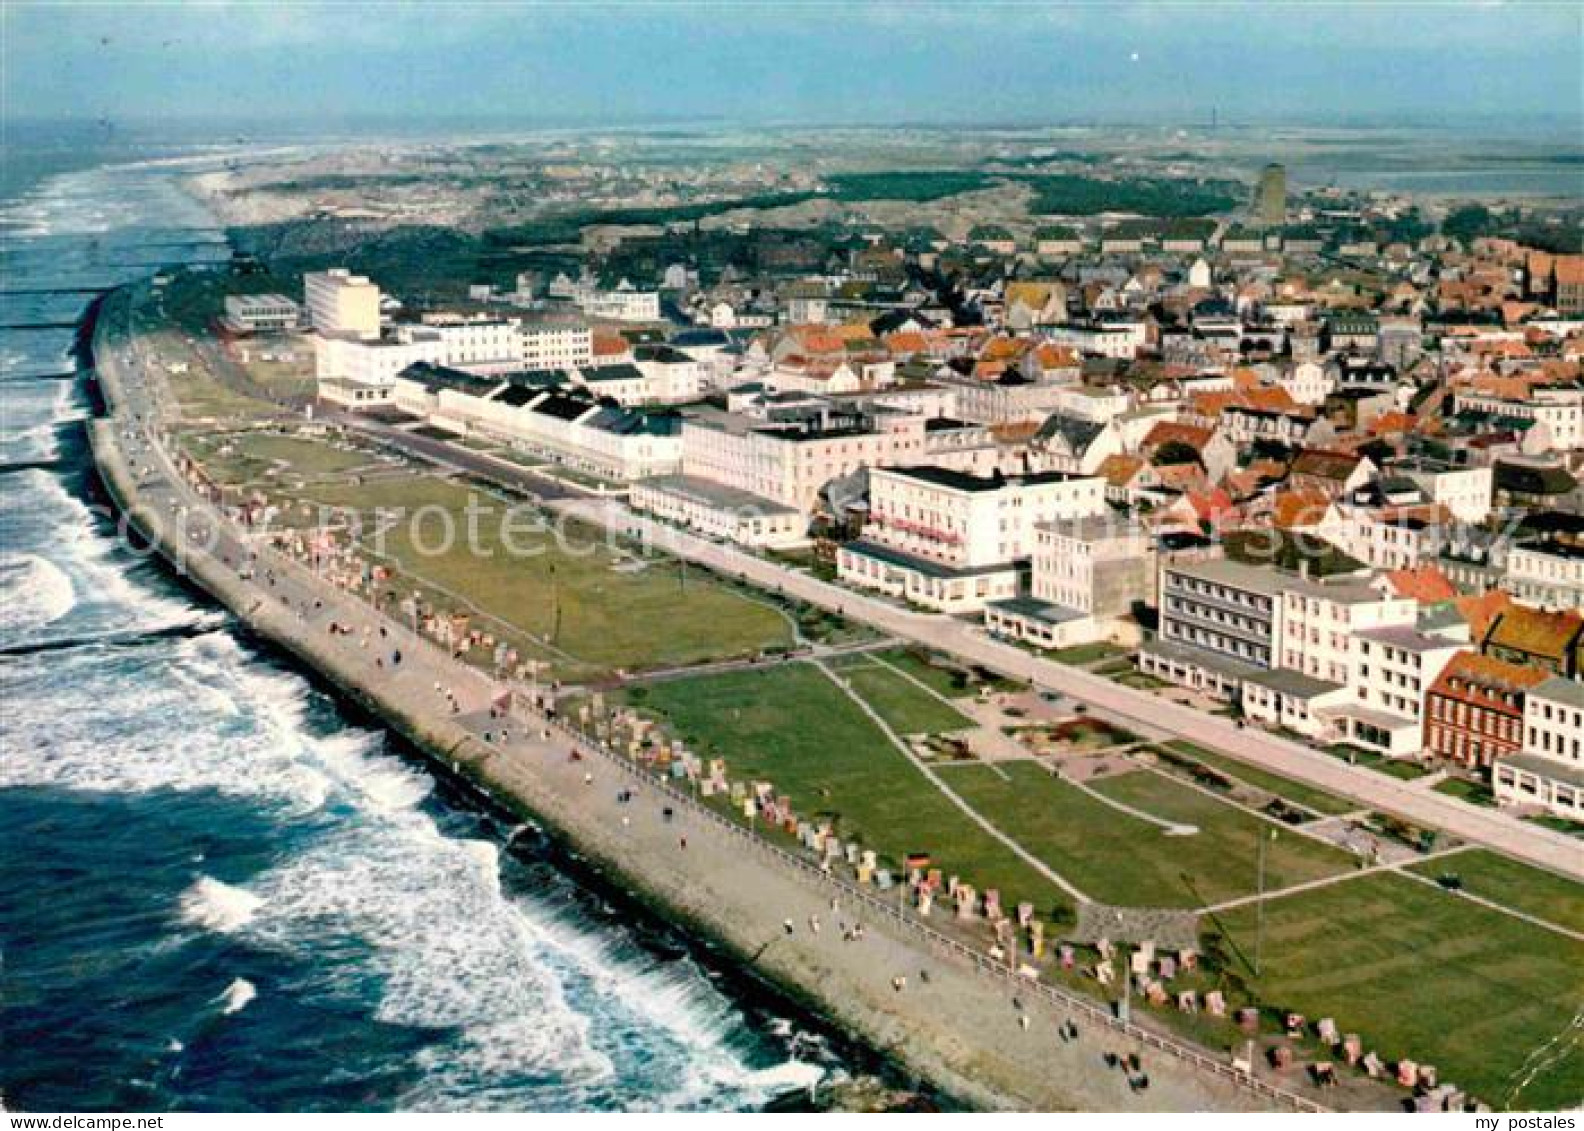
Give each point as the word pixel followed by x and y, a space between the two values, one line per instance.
pixel 1496 829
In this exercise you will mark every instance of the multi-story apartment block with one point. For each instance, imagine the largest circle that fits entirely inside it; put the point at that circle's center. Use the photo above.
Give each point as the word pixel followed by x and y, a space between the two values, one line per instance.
pixel 622 303
pixel 1548 573
pixel 787 461
pixel 954 541
pixel 1464 491
pixel 1392 669
pixel 1548 770
pixel 1219 623
pixel 269 313
pixel 553 343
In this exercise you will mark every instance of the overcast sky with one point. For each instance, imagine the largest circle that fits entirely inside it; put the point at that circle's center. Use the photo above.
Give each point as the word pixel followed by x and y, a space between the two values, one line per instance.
pixel 969 60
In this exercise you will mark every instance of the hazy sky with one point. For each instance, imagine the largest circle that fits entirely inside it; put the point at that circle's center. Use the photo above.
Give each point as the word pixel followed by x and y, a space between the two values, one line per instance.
pixel 790 61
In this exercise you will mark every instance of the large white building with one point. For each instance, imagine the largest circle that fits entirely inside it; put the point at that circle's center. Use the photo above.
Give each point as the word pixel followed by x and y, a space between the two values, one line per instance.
pixel 954 541
pixel 788 461
pixel 1548 773
pixel 268 313
pixel 341 304
pixel 538 419
pixel 1088 576
pixel 1464 491
pixel 1548 574
pixel 622 303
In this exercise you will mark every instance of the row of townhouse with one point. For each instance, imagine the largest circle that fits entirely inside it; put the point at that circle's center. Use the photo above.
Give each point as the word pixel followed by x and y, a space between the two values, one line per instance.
pixel 1335 660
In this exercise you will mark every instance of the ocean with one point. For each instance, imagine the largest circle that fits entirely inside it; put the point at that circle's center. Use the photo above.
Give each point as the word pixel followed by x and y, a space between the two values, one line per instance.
pixel 220 890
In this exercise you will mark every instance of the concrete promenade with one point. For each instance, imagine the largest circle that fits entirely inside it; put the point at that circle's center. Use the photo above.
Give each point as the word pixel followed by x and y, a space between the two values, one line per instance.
pixel 960 1020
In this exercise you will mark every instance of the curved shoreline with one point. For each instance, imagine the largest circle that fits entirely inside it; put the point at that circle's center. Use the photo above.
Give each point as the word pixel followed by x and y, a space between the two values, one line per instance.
pixel 961 1030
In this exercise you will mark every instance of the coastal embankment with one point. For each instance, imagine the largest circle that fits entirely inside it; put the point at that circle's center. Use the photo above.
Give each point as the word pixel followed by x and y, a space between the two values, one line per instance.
pixel 958 1019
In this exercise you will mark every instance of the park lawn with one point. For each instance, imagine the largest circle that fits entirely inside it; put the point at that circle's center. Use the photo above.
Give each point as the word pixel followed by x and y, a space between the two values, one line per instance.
pixel 906 708
pixel 1522 887
pixel 1475 793
pixel 947 681
pixel 1420 973
pixel 1122 860
pixel 1080 654
pixel 1228 836
pixel 1400 769
pixel 245 457
pixel 793 727
pixel 1328 804
pixel 654 617
pixel 559 589
pixel 303 455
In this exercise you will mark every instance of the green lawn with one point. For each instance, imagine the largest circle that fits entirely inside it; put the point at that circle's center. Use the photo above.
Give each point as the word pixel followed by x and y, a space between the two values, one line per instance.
pixel 944 680
pixel 1535 891
pixel 1397 768
pixel 248 454
pixel 791 726
pixel 1285 788
pixel 1422 974
pixel 562 589
pixel 906 707
pixel 1081 654
pixel 1119 859
pixel 1475 793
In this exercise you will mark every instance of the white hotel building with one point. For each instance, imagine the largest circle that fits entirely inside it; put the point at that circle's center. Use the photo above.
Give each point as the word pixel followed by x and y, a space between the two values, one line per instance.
pixel 953 541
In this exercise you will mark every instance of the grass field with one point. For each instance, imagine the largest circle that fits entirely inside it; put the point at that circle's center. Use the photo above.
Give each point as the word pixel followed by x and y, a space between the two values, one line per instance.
pixel 1081 654
pixel 245 457
pixel 906 708
pixel 1475 793
pixel 1123 860
pixel 791 726
pixel 1296 792
pixel 1534 891
pixel 944 680
pixel 550 587
pixel 1422 974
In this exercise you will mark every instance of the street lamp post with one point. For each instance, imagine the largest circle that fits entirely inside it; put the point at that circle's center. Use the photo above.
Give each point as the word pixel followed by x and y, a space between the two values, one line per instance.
pixel 1259 906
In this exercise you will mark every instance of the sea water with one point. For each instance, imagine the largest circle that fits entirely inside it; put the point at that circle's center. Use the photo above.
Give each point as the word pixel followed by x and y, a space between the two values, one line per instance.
pixel 217 889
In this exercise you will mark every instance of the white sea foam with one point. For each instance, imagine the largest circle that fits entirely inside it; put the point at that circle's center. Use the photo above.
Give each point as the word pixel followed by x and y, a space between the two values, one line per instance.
pixel 237 996
pixel 34 592
pixel 217 906
pixel 37 511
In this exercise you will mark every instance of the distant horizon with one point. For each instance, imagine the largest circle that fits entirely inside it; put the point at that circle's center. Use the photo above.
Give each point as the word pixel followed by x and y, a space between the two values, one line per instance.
pixel 796 64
